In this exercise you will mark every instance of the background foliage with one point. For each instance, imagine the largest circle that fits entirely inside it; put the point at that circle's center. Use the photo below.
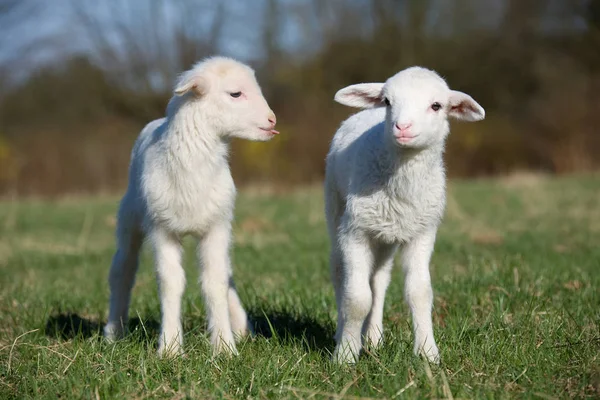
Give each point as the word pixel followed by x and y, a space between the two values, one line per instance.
pixel 79 79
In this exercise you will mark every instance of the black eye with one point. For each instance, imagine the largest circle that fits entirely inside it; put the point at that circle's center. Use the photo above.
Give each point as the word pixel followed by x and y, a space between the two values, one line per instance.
pixel 436 106
pixel 386 101
pixel 236 94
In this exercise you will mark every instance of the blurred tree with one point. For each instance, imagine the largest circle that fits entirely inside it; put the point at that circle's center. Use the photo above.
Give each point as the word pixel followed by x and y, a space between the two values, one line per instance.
pixel 144 45
pixel 534 65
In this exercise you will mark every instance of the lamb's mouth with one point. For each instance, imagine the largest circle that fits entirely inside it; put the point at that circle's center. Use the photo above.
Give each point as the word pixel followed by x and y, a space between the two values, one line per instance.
pixel 271 131
pixel 405 139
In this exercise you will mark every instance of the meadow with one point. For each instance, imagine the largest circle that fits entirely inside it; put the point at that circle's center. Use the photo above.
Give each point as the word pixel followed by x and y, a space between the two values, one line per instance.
pixel 516 277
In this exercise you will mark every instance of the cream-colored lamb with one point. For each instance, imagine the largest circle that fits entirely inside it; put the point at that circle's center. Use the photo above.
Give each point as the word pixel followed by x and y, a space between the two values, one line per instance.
pixel 180 184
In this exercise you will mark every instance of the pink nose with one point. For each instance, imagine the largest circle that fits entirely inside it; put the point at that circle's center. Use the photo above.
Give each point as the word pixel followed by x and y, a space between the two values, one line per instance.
pixel 272 119
pixel 403 127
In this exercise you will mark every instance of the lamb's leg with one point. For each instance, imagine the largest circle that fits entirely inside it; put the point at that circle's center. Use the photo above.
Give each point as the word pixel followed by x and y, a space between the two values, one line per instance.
pixel 240 325
pixel 355 295
pixel 333 212
pixel 122 277
pixel 171 284
pixel 216 272
pixel 419 294
pixel 384 261
pixel 336 264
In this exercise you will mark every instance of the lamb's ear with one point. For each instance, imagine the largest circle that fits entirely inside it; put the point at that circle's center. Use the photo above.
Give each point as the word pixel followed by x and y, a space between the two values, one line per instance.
pixel 188 82
pixel 363 95
pixel 463 107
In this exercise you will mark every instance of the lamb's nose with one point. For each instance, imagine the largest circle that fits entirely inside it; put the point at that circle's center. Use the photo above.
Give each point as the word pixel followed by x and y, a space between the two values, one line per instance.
pixel 403 127
pixel 272 118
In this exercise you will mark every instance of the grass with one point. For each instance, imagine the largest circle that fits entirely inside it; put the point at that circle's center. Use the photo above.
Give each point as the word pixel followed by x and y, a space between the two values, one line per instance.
pixel 516 275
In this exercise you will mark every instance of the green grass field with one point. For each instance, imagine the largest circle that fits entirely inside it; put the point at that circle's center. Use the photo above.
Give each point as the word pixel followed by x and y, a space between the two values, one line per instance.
pixel 516 276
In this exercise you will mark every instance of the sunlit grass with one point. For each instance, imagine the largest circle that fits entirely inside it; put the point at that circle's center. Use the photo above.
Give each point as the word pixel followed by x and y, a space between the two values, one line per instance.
pixel 516 275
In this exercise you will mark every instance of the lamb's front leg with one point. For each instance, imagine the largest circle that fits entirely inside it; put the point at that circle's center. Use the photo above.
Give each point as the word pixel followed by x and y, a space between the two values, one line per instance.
pixel 171 284
pixel 354 295
pixel 380 280
pixel 419 294
pixel 213 250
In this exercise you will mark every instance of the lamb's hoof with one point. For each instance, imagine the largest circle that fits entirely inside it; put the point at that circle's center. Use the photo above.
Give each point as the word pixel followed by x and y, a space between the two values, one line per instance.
pixel 344 356
pixel 374 339
pixel 113 332
pixel 172 351
pixel 430 353
pixel 225 351
pixel 246 331
pixel 224 348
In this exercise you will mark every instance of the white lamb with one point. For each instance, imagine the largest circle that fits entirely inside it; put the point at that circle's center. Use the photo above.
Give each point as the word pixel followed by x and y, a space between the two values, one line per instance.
pixel 179 184
pixel 384 190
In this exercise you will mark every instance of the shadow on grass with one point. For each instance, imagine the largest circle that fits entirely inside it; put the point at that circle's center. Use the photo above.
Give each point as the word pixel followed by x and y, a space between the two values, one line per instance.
pixel 288 326
pixel 282 324
pixel 68 326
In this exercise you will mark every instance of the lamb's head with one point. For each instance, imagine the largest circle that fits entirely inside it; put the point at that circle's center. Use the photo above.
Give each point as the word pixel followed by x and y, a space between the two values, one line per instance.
pixel 418 103
pixel 224 94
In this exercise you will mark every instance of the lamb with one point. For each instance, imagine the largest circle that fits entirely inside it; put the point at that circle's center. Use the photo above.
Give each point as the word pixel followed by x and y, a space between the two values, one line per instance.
pixel 384 191
pixel 180 184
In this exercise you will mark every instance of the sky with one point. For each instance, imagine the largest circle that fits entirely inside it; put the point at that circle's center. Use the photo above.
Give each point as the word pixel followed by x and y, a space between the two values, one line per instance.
pixel 56 22
pixel 55 28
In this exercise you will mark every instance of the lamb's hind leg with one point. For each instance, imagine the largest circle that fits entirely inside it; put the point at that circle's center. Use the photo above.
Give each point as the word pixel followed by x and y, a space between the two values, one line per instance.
pixel 122 276
pixel 419 294
pixel 336 262
pixel 240 325
pixel 380 280
pixel 333 211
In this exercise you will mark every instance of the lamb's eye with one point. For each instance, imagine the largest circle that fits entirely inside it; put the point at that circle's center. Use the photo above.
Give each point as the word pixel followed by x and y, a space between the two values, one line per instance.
pixel 236 94
pixel 436 106
pixel 386 101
